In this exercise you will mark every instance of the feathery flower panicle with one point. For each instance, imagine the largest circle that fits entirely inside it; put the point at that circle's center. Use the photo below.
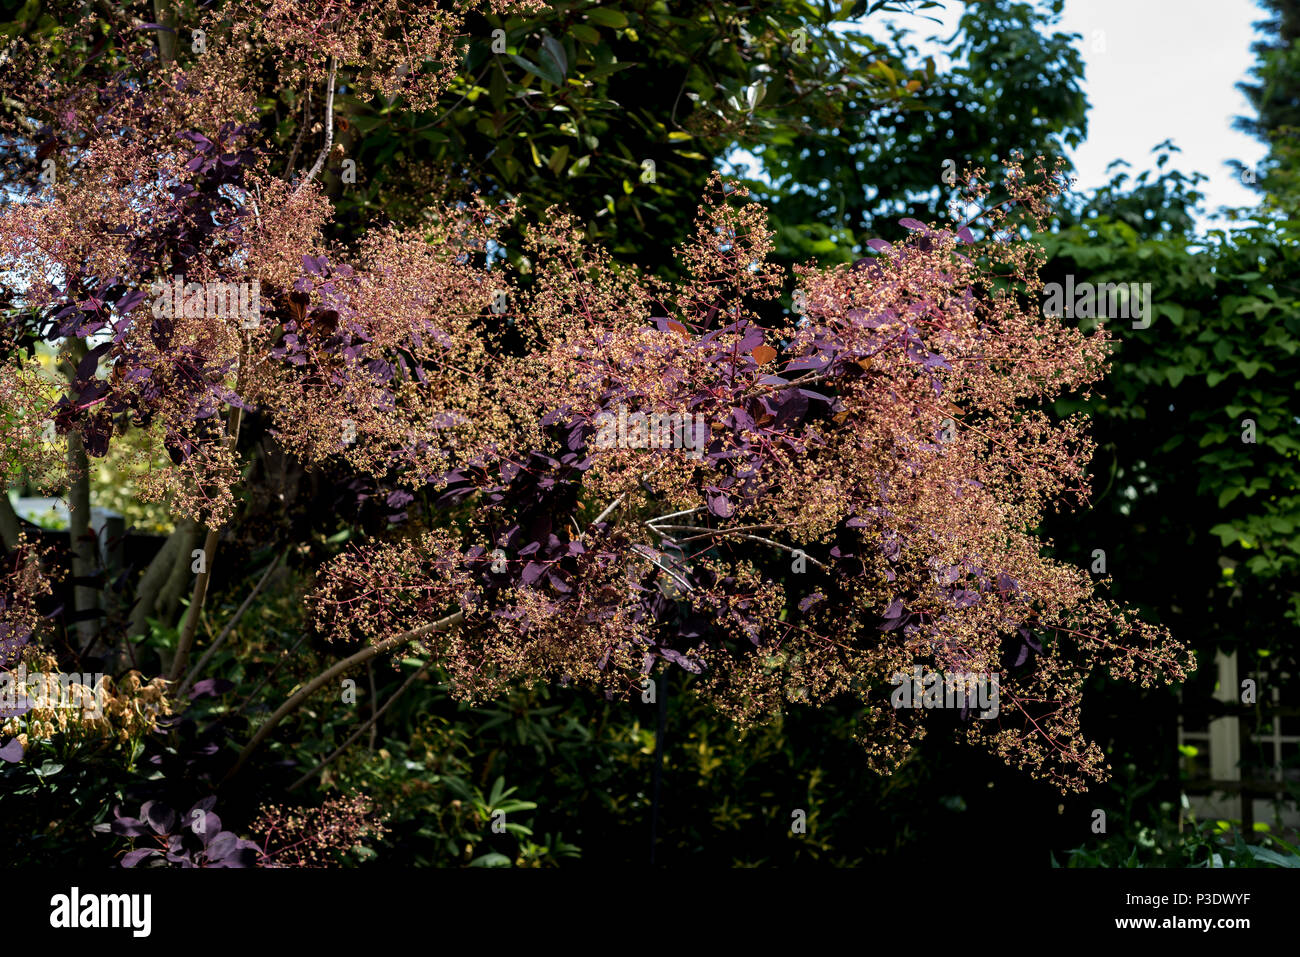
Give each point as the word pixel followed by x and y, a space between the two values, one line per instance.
pixel 891 449
pixel 316 836
pixel 629 472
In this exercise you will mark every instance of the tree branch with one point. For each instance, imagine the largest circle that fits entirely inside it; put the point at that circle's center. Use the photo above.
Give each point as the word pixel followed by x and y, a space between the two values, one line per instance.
pixel 225 632
pixel 164 15
pixel 325 677
pixel 11 525
pixel 329 131
pixel 601 517
pixel 81 538
pixel 170 595
pixel 372 724
pixel 297 140
pixel 191 624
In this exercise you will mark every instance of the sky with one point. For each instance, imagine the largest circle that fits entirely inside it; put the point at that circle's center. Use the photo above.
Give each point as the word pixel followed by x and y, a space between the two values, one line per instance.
pixel 1155 70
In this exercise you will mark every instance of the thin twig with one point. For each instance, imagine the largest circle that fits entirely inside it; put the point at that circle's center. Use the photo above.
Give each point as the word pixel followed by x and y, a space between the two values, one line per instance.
pixel 297 142
pixel 602 516
pixel 328 675
pixel 647 554
pixel 712 532
pixel 781 545
pixel 239 613
pixel 792 384
pixel 372 724
pixel 664 518
pixel 271 674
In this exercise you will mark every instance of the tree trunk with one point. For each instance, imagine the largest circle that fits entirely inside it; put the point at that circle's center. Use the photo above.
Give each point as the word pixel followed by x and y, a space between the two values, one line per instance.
pixel 85 557
pixel 10 525
pixel 165 16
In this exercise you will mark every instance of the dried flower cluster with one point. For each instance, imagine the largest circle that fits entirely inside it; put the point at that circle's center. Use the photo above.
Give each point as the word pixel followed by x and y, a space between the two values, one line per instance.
pixel 124 710
pixel 862 502
pixel 315 837
pixel 400 47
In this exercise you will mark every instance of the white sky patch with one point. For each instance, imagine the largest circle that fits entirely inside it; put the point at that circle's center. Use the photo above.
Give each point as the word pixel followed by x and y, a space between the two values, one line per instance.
pixel 1169 70
pixel 1153 70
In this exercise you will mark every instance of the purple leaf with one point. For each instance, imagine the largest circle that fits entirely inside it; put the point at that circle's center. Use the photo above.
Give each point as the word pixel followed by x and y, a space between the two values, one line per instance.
pixel 809 363
pixel 680 660
pixel 751 340
pixel 936 361
pixel 160 817
pixel 210 687
pixel 90 361
pixel 210 823
pixel 223 845
pixel 129 827
pixel 719 505
pixel 204 804
pixel 811 600
pixel 131 300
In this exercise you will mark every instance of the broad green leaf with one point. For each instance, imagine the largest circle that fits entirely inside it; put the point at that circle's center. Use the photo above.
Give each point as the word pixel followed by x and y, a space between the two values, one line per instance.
pixel 553 55
pixel 546 71
pixel 607 17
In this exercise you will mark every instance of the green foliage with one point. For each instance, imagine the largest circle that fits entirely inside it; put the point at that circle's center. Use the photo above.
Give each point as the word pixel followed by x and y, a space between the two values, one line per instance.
pixel 1015 84
pixel 1275 97
pixel 582 98
pixel 114 478
pixel 1222 351
pixel 1175 840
